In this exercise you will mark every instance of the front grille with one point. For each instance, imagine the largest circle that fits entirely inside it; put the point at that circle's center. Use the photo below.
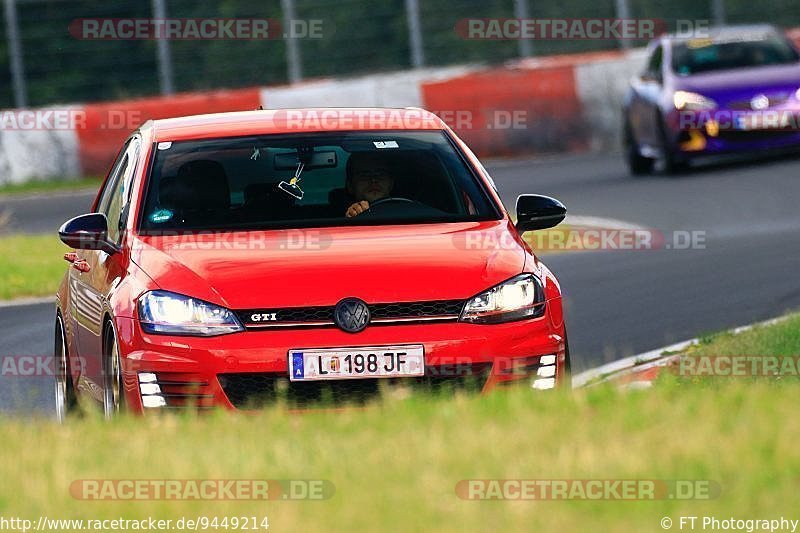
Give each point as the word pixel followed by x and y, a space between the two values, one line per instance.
pixel 256 390
pixel 742 105
pixel 381 313
pixel 755 135
pixel 416 309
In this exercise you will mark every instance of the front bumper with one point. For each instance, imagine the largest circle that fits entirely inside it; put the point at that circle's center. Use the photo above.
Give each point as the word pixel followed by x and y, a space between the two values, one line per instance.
pixel 722 131
pixel 251 368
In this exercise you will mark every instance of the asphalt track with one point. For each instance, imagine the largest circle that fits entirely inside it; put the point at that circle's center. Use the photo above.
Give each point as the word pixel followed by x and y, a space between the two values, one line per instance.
pixel 619 302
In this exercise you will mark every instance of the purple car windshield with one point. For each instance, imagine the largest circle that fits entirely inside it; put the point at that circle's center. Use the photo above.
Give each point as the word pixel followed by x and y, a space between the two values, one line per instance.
pixel 706 55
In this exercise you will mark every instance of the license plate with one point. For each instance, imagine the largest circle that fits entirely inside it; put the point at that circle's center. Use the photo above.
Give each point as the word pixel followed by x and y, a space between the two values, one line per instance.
pixel 356 363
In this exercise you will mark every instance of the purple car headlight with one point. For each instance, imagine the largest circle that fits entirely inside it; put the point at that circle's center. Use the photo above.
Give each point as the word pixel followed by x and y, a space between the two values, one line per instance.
pixel 689 101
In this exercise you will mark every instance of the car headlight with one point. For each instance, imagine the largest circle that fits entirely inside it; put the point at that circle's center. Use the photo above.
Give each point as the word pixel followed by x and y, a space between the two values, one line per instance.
pixel 688 101
pixel 174 314
pixel 518 298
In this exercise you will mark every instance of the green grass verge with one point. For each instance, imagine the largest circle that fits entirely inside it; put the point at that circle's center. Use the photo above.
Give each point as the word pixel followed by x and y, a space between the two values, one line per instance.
pixel 745 356
pixel 30 265
pixel 396 464
pixel 782 338
pixel 37 186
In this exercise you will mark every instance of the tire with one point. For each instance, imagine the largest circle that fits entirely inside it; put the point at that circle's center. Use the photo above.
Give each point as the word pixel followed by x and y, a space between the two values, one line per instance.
pixel 113 390
pixel 65 398
pixel 566 382
pixel 673 165
pixel 638 165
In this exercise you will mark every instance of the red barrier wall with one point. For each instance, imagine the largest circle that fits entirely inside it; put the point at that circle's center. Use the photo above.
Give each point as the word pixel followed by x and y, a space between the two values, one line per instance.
pixel 528 106
pixel 108 125
pixel 506 111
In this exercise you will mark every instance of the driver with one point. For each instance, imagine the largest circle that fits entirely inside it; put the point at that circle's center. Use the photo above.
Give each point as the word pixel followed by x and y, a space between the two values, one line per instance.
pixel 368 180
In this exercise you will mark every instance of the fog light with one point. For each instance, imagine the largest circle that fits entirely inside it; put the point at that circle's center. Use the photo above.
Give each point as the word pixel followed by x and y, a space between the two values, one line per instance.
pixel 547 360
pixel 153 401
pixel 695 143
pixel 543 384
pixel 149 388
pixel 546 371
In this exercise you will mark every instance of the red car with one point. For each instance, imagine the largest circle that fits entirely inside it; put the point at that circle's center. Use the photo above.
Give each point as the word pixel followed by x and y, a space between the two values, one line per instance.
pixel 302 256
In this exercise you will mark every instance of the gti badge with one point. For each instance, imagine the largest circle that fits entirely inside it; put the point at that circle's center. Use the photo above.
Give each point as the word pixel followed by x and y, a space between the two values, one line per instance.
pixel 351 315
pixel 264 317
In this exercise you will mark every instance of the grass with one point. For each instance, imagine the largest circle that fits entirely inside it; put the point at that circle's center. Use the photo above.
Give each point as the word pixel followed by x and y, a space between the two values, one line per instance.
pixel 769 342
pixel 549 241
pixel 396 464
pixel 40 186
pixel 30 265
pixel 782 338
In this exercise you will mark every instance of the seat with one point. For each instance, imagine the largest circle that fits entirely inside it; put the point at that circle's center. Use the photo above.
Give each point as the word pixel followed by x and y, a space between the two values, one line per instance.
pixel 203 185
pixel 198 194
pixel 263 201
pixel 340 200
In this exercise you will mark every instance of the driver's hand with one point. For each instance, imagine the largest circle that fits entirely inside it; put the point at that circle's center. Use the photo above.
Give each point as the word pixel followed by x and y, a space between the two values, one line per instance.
pixel 357 208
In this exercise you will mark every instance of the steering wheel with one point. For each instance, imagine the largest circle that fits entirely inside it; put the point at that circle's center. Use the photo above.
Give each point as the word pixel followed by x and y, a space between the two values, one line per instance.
pixel 391 199
pixel 395 206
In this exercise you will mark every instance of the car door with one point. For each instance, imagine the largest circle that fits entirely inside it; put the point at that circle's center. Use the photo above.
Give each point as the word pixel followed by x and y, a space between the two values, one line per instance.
pixel 76 279
pixel 646 94
pixel 92 287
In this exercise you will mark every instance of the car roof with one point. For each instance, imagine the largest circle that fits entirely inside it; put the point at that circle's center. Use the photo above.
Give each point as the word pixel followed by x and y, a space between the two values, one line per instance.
pixel 725 32
pixel 306 120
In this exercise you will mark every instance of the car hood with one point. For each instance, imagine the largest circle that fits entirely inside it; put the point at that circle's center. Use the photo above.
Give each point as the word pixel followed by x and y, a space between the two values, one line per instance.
pixel 293 268
pixel 752 81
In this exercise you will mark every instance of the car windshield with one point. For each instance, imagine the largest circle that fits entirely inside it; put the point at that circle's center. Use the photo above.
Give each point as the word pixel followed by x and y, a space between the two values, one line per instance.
pixel 705 55
pixel 328 179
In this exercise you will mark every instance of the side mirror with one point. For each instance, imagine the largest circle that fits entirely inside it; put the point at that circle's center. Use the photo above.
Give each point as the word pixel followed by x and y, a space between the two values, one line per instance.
pixel 538 212
pixel 87 232
pixel 652 77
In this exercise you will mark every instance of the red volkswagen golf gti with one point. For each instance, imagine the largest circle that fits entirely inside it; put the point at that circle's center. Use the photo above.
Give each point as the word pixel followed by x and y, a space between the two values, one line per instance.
pixel 303 256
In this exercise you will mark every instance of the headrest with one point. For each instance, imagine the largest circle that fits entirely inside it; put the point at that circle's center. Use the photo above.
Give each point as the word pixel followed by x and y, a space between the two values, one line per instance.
pixel 200 184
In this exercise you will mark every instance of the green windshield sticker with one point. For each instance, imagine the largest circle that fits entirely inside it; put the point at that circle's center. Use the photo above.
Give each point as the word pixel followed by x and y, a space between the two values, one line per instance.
pixel 162 215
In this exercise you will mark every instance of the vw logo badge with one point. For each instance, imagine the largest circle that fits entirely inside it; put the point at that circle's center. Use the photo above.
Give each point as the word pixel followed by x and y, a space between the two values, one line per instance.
pixel 351 315
pixel 759 102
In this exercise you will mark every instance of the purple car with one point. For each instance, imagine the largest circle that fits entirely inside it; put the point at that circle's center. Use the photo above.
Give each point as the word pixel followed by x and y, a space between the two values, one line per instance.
pixel 734 90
